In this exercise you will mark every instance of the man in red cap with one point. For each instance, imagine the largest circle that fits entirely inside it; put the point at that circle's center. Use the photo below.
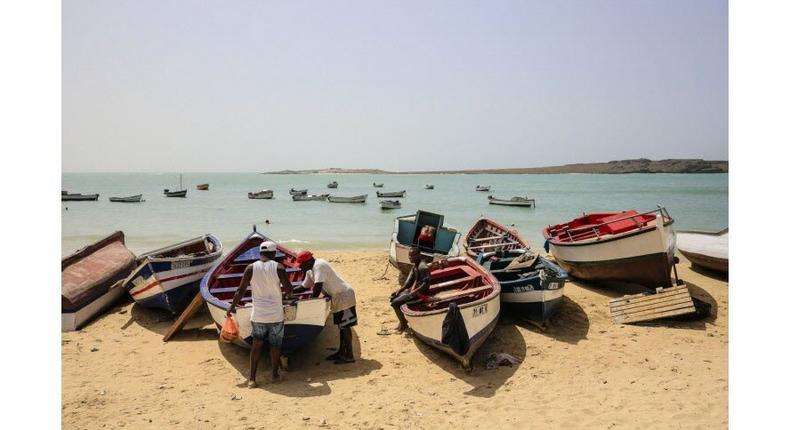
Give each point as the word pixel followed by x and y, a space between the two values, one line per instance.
pixel 320 276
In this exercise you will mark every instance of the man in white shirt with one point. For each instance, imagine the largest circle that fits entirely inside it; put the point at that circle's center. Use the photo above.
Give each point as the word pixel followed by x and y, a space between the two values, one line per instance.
pixel 268 319
pixel 320 276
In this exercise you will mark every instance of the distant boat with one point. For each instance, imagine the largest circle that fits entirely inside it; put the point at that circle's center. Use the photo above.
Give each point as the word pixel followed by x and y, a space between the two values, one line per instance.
pixel 332 184
pixel 91 279
pixel 627 247
pixel 708 250
pixel 265 194
pixel 355 199
pixel 310 197
pixel 63 192
pixel 389 204
pixel 514 201
pixel 202 187
pixel 294 192
pixel 531 284
pixel 379 194
pixel 130 199
pixel 466 288
pixel 487 235
pixel 406 234
pixel 77 197
pixel 483 188
pixel 378 185
pixel 181 192
pixel 168 278
pixel 305 316
pixel 428 186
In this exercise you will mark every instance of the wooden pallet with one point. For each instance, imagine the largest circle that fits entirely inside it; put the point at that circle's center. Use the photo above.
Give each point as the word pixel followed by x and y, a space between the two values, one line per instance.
pixel 665 302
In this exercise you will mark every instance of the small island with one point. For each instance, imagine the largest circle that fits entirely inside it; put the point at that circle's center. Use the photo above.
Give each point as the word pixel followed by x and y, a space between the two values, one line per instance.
pixel 639 165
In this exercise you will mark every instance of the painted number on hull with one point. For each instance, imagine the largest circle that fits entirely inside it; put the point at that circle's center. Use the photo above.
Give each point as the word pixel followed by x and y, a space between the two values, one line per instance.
pixel 480 310
pixel 179 264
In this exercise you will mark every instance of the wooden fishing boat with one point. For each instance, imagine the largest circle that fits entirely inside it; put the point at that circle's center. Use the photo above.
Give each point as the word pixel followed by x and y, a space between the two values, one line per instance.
pixel 181 192
pixel 380 195
pixel 355 199
pixel 91 279
pixel 709 250
pixel 627 246
pixel 375 185
pixel 514 201
pixel 332 184
pixel 168 278
pixel 130 199
pixel 294 192
pixel 483 188
pixel 310 197
pixel 305 316
pixel 77 197
pixel 406 234
pixel 428 186
pixel 202 187
pixel 531 284
pixel 390 204
pixel 265 194
pixel 463 284
pixel 487 235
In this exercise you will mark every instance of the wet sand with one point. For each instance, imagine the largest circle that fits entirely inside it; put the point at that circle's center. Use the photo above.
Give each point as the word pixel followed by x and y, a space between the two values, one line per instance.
pixel 583 371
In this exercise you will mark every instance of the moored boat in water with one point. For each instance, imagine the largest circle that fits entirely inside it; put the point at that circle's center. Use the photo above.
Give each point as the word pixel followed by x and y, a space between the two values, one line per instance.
pixel 513 201
pixel 531 284
pixel 483 188
pixel 129 199
pixel 407 231
pixel 91 279
pixel 202 187
pixel 305 316
pixel 428 186
pixel 391 194
pixel 332 184
pixel 167 278
pixel 78 197
pixel 627 247
pixel 709 250
pixel 355 199
pixel 310 197
pixel 389 204
pixel 265 194
pixel 375 185
pixel 464 298
pixel 181 192
pixel 487 235
pixel 294 192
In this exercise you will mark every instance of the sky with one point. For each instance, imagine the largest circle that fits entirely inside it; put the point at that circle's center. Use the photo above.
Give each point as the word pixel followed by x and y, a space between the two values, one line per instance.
pixel 252 86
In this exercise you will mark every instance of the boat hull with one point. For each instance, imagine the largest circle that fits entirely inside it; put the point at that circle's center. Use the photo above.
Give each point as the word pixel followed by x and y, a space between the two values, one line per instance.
pixel 720 265
pixel 706 249
pixel 643 257
pixel 79 197
pixel 526 204
pixel 182 193
pixel 71 320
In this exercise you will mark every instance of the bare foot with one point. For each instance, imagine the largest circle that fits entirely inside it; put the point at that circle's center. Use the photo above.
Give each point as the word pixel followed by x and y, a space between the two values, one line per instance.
pixel 252 384
pixel 401 328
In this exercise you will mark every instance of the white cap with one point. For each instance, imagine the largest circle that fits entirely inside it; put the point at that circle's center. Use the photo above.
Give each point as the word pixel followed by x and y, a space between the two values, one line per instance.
pixel 268 246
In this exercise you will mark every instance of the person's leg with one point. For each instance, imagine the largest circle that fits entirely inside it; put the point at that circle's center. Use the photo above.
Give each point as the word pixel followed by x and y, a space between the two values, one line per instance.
pixel 276 334
pixel 255 356
pixel 337 318
pixel 402 299
pixel 347 353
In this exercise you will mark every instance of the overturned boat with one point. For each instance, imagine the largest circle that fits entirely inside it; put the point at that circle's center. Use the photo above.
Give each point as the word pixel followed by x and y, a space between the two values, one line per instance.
pixel 305 316
pixel 91 279
pixel 406 234
pixel 531 284
pixel 464 298
pixel 168 278
pixel 709 250
pixel 487 235
pixel 624 246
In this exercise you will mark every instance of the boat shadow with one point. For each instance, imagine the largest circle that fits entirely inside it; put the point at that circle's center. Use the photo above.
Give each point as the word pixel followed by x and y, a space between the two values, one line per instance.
pixel 199 327
pixel 308 374
pixel 724 277
pixel 485 383
pixel 569 323
pixel 614 290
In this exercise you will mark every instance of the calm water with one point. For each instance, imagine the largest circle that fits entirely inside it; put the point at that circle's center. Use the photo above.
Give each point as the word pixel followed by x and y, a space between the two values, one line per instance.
pixel 696 202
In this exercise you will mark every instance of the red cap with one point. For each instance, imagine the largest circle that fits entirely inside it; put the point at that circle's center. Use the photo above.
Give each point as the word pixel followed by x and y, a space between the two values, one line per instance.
pixel 303 257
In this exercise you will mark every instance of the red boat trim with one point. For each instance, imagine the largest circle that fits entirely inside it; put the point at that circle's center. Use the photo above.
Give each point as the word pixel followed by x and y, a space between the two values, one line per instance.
pixel 157 283
pixel 604 239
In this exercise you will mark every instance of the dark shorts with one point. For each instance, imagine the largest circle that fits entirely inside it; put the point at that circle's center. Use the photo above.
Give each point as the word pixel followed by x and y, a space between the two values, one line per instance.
pixel 346 318
pixel 272 333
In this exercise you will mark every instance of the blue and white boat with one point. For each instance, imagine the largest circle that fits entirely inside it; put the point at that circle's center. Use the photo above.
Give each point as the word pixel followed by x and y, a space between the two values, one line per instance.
pixel 531 284
pixel 168 278
pixel 305 316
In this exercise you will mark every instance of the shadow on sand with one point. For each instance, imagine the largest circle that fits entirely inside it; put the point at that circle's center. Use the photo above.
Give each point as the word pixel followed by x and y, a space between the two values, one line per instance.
pixel 199 327
pixel 308 372
pixel 724 277
pixel 569 323
pixel 505 338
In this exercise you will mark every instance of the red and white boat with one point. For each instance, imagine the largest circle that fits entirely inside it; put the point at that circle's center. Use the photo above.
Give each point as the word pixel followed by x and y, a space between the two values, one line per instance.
pixel 487 235
pixel 627 246
pixel 473 290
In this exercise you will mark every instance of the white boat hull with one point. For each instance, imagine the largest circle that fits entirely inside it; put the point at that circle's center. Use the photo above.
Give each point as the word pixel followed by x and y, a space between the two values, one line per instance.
pixel 71 321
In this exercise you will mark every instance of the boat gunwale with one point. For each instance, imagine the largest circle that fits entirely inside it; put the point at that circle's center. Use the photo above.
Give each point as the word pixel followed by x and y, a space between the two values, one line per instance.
pixel 153 259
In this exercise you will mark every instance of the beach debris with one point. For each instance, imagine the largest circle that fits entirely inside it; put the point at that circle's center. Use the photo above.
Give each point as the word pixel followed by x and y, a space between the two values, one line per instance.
pixel 384 331
pixel 496 359
pixel 94 349
pixel 235 396
pixel 665 302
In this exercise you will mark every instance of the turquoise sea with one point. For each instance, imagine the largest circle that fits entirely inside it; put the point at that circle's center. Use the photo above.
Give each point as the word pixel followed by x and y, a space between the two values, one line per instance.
pixel 695 201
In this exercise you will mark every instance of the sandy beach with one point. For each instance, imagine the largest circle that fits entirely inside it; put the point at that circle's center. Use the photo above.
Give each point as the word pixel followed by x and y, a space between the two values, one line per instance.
pixel 583 371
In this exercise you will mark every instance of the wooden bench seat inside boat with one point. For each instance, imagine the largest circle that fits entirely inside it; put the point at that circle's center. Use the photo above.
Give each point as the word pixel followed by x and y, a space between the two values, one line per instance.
pixel 434 301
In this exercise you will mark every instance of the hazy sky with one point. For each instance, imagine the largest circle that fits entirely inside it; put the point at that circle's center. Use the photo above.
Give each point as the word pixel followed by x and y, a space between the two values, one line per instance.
pixel 404 85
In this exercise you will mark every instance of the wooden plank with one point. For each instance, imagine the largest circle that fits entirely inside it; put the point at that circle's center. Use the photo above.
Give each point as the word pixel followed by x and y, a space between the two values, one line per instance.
pixel 459 294
pixel 190 311
pixel 665 302
pixel 493 245
pixel 483 239
pixel 651 305
pixel 643 295
pixel 672 313
pixel 648 299
pixel 453 282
